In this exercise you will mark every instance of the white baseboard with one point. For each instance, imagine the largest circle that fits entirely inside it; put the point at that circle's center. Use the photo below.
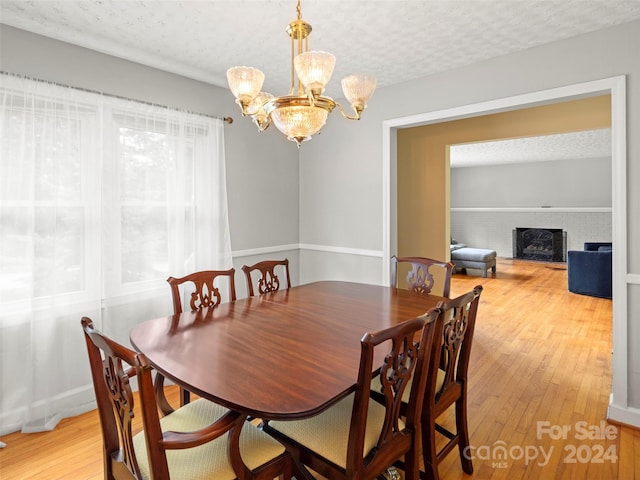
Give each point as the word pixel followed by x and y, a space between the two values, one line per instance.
pixel 628 416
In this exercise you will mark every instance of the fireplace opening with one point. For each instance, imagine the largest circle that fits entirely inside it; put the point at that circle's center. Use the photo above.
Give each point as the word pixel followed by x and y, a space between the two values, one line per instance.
pixel 541 244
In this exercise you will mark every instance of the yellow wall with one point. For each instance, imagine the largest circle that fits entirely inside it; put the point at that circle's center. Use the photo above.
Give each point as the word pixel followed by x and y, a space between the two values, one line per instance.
pixel 423 163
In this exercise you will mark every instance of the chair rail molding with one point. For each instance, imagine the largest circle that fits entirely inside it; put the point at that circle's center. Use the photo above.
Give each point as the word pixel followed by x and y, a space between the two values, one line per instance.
pixel 307 246
pixel 264 250
pixel 534 209
pixel 633 279
pixel 345 250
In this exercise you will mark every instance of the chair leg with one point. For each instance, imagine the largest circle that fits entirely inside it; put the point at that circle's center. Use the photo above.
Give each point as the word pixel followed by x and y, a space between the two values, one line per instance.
pixel 463 435
pixel 300 472
pixel 287 470
pixel 185 397
pixel 411 466
pixel 429 452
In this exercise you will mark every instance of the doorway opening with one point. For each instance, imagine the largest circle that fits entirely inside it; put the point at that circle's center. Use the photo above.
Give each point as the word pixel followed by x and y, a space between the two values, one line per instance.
pixel 616 87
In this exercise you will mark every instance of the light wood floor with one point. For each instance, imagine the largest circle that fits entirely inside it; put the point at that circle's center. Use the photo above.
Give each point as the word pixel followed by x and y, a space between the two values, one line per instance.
pixel 541 363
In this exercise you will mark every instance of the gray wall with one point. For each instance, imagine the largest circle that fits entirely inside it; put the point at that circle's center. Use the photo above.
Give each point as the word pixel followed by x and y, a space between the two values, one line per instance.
pixel 561 183
pixel 262 168
pixel 489 202
pixel 493 228
pixel 341 175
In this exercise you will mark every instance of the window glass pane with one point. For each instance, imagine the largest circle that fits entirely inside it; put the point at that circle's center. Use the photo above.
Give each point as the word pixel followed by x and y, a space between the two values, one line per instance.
pixel 16 172
pixel 42 214
pixel 144 158
pixel 15 259
pixel 47 262
pixel 156 177
pixel 57 164
pixel 58 250
pixel 144 243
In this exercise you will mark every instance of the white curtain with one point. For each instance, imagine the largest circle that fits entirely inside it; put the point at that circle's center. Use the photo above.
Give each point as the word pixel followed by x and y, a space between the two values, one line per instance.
pixel 101 199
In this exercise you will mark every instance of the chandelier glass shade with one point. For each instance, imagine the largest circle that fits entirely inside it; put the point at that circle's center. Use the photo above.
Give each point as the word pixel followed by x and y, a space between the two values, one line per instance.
pixel 299 122
pixel 304 110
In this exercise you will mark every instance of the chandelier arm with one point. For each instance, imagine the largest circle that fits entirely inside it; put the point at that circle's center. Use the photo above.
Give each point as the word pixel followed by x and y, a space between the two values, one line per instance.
pixel 312 99
pixel 346 115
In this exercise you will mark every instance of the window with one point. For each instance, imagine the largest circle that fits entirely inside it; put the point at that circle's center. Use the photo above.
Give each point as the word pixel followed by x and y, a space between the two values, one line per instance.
pixel 47 154
pixel 101 199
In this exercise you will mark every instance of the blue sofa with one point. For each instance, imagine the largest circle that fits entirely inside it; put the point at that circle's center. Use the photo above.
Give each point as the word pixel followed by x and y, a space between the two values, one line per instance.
pixel 589 271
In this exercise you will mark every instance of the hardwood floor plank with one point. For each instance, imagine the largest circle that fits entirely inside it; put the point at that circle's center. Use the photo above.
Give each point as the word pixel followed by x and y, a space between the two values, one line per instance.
pixel 541 360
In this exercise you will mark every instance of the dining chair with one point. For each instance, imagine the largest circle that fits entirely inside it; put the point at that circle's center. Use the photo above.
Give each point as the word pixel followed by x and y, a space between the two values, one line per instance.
pixel 200 440
pixel 204 292
pixel 447 384
pixel 358 438
pixel 421 276
pixel 266 276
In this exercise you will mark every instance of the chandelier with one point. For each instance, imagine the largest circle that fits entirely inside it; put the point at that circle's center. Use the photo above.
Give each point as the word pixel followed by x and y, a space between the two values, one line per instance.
pixel 304 110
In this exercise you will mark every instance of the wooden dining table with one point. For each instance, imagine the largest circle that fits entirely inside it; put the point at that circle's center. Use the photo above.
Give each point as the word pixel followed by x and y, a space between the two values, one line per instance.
pixel 282 355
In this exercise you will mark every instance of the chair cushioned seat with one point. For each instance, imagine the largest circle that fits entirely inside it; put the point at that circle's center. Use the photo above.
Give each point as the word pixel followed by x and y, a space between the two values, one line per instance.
pixel 256 447
pixel 334 424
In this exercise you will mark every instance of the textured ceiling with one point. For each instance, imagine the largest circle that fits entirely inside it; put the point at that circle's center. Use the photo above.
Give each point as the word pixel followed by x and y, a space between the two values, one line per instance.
pixel 564 146
pixel 395 40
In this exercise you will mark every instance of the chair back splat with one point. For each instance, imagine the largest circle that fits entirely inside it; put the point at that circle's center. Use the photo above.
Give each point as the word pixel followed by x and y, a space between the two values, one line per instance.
pixel 421 275
pixel 205 293
pixel 358 438
pixel 268 279
pixel 228 447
